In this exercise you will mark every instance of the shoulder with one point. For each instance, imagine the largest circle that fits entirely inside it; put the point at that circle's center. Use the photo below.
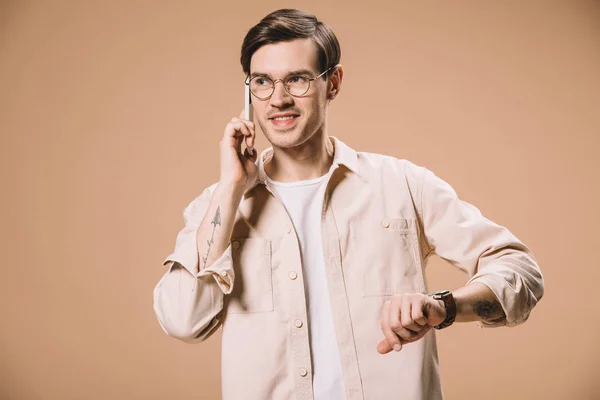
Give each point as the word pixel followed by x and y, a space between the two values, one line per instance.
pixel 200 202
pixel 390 167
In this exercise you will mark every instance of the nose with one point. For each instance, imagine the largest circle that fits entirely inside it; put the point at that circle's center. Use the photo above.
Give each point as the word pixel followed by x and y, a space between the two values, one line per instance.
pixel 280 97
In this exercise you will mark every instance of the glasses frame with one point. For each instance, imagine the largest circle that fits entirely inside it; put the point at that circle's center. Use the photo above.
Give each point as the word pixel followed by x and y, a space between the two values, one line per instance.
pixel 247 82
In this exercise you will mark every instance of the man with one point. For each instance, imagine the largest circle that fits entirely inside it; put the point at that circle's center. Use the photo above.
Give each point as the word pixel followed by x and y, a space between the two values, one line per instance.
pixel 311 255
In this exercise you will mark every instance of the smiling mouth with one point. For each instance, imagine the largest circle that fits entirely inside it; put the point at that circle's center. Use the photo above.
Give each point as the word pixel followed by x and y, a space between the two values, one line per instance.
pixel 284 122
pixel 284 118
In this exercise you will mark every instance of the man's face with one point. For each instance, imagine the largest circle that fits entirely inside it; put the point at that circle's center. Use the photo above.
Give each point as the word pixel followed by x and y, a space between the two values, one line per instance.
pixel 308 113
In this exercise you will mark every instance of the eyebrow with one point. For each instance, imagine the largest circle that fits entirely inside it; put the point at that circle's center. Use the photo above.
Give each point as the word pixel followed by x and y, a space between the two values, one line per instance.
pixel 296 72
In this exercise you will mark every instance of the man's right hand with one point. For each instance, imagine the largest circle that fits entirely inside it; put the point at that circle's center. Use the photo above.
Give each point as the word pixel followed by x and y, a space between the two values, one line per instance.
pixel 237 169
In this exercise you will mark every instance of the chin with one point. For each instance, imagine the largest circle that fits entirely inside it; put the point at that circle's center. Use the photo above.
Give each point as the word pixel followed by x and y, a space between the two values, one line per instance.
pixel 285 139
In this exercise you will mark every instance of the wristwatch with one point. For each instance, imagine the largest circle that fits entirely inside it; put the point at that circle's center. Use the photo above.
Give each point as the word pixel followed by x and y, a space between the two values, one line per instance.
pixel 450 304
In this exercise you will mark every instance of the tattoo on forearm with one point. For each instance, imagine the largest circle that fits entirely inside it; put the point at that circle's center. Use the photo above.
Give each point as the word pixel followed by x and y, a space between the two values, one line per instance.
pixel 488 310
pixel 216 221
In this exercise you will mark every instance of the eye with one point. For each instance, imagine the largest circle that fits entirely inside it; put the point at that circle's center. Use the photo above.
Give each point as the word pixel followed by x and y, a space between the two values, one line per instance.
pixel 260 81
pixel 297 79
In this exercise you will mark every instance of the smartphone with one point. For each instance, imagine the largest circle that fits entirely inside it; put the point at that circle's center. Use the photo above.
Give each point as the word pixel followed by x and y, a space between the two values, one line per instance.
pixel 248 109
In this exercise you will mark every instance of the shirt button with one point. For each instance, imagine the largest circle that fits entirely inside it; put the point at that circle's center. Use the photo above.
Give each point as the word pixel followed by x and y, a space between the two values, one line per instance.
pixel 385 223
pixel 298 323
pixel 302 372
pixel 223 273
pixel 236 244
pixel 293 275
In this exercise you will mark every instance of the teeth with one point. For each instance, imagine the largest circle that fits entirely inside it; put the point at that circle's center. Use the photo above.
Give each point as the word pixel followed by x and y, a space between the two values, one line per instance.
pixel 284 118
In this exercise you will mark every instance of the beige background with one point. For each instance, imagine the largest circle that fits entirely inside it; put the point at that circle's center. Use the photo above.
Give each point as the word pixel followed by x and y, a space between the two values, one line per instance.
pixel 111 114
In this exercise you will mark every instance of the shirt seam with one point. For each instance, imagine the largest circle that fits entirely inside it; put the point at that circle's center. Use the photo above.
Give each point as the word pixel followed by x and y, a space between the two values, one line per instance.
pixel 422 210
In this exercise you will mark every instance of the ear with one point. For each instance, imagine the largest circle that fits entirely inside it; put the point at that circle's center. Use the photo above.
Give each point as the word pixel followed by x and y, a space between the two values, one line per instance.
pixel 335 82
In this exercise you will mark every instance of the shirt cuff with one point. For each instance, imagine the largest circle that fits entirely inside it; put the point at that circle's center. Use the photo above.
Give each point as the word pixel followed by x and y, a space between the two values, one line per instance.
pixel 221 269
pixel 509 297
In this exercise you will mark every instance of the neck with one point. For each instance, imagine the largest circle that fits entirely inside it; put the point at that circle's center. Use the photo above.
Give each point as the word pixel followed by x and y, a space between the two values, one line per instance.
pixel 309 160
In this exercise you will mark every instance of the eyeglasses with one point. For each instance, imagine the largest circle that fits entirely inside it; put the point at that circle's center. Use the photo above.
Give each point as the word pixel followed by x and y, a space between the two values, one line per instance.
pixel 297 85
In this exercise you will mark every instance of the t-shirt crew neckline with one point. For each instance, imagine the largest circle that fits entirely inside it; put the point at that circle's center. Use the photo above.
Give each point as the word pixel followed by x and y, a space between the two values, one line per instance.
pixel 305 182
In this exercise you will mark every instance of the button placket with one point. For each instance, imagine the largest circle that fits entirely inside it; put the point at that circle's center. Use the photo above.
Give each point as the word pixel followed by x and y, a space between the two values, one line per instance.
pixel 299 336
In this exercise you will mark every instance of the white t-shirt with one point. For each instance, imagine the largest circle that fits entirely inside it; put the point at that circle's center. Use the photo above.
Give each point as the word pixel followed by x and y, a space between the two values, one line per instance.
pixel 303 201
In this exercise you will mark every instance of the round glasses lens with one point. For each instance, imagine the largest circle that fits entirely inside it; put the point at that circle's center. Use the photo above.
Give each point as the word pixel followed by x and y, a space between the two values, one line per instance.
pixel 261 86
pixel 297 85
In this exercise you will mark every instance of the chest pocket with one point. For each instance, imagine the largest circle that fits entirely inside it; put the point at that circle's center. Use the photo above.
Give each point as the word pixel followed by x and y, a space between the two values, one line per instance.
pixel 388 257
pixel 252 286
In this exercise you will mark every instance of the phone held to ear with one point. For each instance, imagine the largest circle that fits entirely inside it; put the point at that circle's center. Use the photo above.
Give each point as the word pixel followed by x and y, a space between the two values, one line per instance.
pixel 248 109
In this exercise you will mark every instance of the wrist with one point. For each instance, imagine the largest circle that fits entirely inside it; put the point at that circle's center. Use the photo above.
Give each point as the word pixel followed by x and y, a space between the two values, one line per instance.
pixel 442 308
pixel 228 195
pixel 230 189
pixel 448 304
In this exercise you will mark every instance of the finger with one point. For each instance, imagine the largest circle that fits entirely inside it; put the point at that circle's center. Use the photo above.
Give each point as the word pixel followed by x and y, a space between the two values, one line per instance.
pixel 394 318
pixel 384 347
pixel 246 132
pixel 387 324
pixel 249 124
pixel 418 313
pixel 241 118
pixel 407 320
pixel 251 129
pixel 234 131
pixel 250 139
pixel 250 154
pixel 237 130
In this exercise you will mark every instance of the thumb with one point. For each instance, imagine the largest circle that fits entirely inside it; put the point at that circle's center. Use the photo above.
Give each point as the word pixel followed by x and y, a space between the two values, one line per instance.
pixel 384 347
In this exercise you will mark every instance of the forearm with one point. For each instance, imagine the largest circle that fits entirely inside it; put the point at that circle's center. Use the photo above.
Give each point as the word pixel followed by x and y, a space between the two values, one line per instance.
pixel 186 307
pixel 214 233
pixel 187 300
pixel 476 302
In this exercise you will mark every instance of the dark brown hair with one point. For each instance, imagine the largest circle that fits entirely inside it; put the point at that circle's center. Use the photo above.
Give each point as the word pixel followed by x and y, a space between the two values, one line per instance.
pixel 288 24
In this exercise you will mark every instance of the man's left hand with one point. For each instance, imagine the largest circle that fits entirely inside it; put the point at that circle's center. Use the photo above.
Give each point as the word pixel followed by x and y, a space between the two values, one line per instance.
pixel 406 318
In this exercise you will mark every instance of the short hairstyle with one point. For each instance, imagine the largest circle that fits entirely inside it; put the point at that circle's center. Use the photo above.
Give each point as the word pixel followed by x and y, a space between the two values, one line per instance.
pixel 286 25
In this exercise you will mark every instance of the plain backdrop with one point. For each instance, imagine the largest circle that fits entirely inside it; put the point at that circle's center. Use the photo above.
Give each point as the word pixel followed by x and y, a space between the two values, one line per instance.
pixel 110 118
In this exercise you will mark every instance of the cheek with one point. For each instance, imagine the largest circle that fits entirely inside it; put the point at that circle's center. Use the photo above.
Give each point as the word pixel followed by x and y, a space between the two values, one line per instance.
pixel 259 108
pixel 317 110
pixel 313 107
pixel 260 111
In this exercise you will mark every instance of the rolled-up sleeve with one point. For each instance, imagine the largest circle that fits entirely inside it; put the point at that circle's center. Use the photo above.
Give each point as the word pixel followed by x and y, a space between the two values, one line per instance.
pixel 187 299
pixel 489 253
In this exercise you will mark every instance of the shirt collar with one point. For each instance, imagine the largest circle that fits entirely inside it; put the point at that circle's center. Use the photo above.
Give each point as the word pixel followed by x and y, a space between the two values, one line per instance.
pixel 342 155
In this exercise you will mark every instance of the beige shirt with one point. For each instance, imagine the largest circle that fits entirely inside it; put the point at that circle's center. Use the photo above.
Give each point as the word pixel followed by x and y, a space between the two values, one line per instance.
pixel 382 218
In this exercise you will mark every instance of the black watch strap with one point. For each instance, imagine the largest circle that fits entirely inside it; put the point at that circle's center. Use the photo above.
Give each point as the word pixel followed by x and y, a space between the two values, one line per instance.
pixel 448 299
